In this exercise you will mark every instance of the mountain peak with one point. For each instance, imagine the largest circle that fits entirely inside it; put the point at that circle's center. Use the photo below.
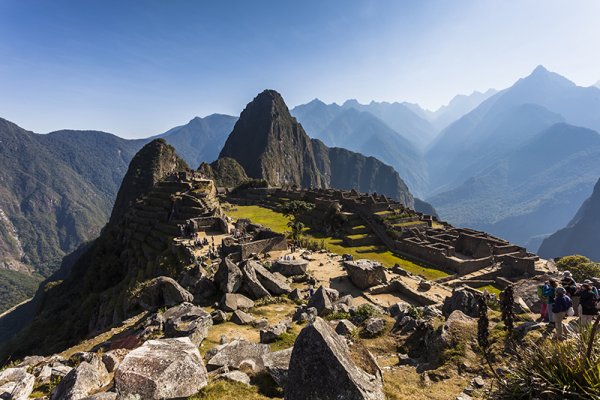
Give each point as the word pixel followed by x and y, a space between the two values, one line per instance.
pixel 541 74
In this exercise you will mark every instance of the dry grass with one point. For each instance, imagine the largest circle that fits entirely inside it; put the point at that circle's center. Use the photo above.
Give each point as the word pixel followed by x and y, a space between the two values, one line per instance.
pixel 404 383
pixel 223 390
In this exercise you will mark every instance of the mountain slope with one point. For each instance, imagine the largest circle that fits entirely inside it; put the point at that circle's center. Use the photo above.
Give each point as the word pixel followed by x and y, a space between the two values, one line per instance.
pixel 582 234
pixel 548 176
pixel 457 107
pixel 530 105
pixel 270 144
pixel 201 139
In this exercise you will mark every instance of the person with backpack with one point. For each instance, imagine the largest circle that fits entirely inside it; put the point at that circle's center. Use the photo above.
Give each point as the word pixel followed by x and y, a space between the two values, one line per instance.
pixel 594 288
pixel 588 303
pixel 560 306
pixel 549 292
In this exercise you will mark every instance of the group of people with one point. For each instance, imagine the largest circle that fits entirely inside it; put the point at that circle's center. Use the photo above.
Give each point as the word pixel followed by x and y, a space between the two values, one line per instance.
pixel 568 298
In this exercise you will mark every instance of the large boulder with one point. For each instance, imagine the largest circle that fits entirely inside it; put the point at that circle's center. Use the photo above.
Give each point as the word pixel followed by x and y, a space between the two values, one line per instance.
pixel 251 283
pixel 277 364
pixel 238 353
pixel 16 383
pixel 228 277
pixel 188 320
pixel 161 369
pixel 291 267
pixel 234 301
pixel 322 367
pixel 88 378
pixel 163 292
pixel 365 273
pixel 273 332
pixel 241 318
pixel 321 300
pixel 463 299
pixel 275 284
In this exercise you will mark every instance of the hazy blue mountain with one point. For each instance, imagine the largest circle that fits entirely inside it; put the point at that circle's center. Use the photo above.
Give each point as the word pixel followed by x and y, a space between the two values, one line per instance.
pixel 201 139
pixel 505 121
pixel 530 191
pixel 581 235
pixel 457 107
pixel 361 131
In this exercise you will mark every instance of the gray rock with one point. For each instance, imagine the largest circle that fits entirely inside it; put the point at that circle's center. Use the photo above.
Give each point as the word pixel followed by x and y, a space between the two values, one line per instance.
pixel 291 267
pixel 346 300
pixel 321 368
pixel 321 302
pixel 399 309
pixel 16 383
pixel 275 285
pixel 161 292
pixel 102 396
pixel 345 327
pixel 274 332
pixel 113 358
pixel 277 365
pixel 233 301
pixel 228 277
pixel 404 359
pixel 218 316
pixel 262 323
pixel 188 320
pixel 241 318
pixel 333 294
pixel 295 295
pixel 251 283
pixel 234 376
pixel 161 369
pixel 238 353
pixel 365 273
pixel 87 378
pixel 462 299
pixel 424 286
pixel 478 382
pixel 31 361
pixel 374 326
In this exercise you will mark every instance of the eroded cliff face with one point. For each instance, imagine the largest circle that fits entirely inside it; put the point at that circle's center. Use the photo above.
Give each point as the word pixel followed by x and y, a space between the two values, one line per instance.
pixel 270 144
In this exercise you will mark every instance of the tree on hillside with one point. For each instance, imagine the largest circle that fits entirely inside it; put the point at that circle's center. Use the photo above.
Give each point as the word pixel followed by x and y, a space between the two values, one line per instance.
pixel 293 210
pixel 581 267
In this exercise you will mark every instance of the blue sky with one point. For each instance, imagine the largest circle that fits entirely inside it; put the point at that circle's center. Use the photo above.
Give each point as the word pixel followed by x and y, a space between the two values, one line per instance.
pixel 138 68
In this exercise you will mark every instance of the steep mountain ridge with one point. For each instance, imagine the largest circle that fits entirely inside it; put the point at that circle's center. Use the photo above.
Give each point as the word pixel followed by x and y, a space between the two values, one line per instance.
pixel 581 235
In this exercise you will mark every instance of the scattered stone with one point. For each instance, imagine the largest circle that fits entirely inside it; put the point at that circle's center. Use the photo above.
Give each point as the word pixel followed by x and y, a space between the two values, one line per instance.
pixel 463 396
pixel 16 383
pixel 163 292
pixel 528 326
pixel 237 353
pixel 102 396
pixel 274 332
pixel 87 378
pixel 295 295
pixel 188 320
pixel 424 286
pixel 233 301
pixel 468 390
pixel 275 285
pixel 462 299
pixel 478 382
pixel 321 367
pixel 321 302
pixel 291 267
pixel 260 323
pixel 161 369
pixel 374 327
pixel 251 283
pixel 365 273
pixel 31 361
pixel 277 365
pixel 218 316
pixel 113 358
pixel 399 309
pixel 241 318
pixel 345 327
pixel 234 376
pixel 404 359
pixel 228 277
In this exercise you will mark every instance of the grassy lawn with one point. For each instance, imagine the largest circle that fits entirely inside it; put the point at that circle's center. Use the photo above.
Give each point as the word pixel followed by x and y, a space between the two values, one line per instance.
pixel 491 289
pixel 278 223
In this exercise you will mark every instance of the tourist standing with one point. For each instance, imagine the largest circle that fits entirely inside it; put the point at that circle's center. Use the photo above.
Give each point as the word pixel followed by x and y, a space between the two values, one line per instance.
pixel 541 290
pixel 550 293
pixel 593 288
pixel 560 306
pixel 588 303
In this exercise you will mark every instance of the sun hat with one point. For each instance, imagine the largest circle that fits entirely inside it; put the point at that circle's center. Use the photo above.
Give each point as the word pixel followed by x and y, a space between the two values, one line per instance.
pixel 567 274
pixel 560 290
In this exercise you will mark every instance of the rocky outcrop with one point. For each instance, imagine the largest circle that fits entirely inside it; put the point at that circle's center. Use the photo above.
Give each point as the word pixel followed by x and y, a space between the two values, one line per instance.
pixel 228 277
pixel 16 384
pixel 322 367
pixel 226 172
pixel 291 267
pixel 161 369
pixel 321 302
pixel 277 364
pixel 462 299
pixel 88 378
pixel 273 332
pixel 235 301
pixel 188 320
pixel 365 273
pixel 237 354
pixel 273 283
pixel 152 163
pixel 163 292
pixel 251 283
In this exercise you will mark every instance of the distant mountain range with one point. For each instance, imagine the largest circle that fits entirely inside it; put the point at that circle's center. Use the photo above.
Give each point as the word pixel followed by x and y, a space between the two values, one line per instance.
pixel 511 166
pixel 581 235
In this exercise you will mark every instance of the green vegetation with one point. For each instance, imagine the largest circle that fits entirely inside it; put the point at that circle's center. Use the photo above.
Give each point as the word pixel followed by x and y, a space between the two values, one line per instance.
pixel 337 316
pixel 491 289
pixel 581 267
pixel 16 287
pixel 278 223
pixel 221 390
pixel 285 341
pixel 364 312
